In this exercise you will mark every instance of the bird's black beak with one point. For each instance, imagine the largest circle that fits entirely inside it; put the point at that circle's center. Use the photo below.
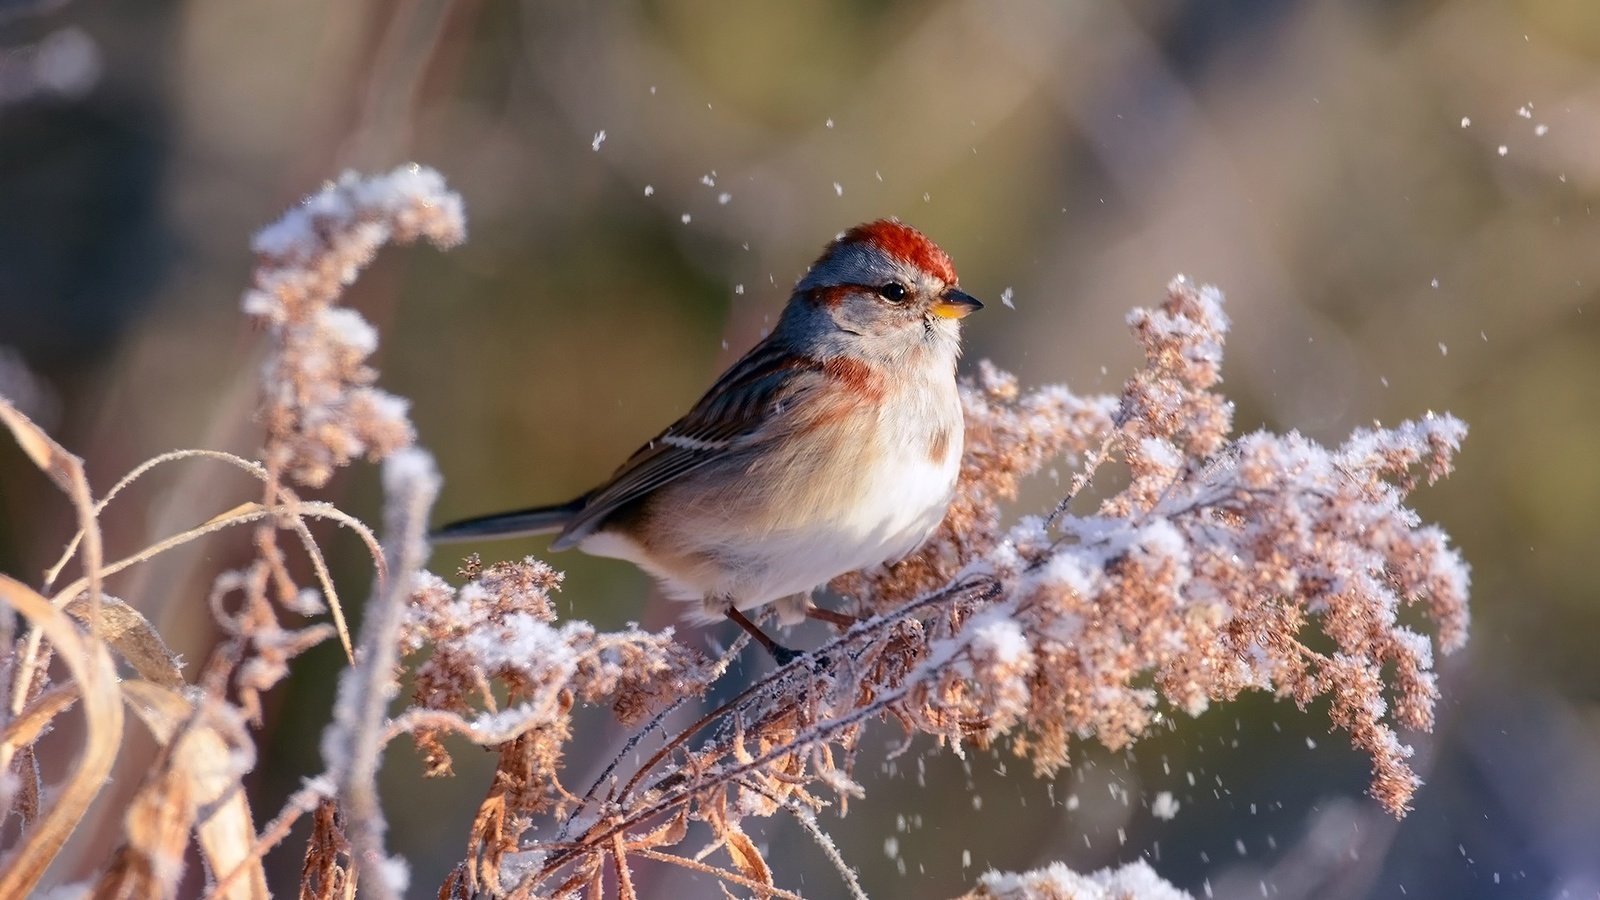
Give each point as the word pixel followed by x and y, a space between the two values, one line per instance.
pixel 955 304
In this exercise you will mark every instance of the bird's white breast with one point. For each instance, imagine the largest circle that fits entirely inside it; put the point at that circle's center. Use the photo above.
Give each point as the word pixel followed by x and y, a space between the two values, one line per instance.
pixel 865 490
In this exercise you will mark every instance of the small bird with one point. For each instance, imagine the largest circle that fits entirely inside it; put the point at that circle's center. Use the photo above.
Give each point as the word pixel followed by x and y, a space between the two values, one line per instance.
pixel 831 446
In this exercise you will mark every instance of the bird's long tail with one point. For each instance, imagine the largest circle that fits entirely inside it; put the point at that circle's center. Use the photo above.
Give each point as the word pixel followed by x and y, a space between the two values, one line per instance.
pixel 517 523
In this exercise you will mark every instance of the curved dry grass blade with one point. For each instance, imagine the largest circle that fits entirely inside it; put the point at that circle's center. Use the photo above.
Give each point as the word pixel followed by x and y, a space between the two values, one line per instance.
pixel 232 517
pixel 49 456
pixel 199 756
pixel 133 475
pixel 96 677
pixel 134 638
pixel 67 472
pixel 319 510
pixel 320 566
pixel 26 728
pixel 242 514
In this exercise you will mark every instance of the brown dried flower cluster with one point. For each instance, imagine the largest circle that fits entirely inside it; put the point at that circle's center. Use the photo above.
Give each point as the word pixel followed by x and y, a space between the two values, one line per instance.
pixel 1207 574
pixel 499 629
pixel 1220 565
pixel 321 412
pixel 319 405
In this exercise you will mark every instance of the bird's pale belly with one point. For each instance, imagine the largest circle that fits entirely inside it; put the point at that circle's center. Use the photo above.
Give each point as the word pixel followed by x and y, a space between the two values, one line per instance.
pixel 846 513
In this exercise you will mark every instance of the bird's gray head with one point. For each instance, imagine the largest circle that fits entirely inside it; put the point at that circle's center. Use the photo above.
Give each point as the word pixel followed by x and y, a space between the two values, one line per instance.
pixel 888 284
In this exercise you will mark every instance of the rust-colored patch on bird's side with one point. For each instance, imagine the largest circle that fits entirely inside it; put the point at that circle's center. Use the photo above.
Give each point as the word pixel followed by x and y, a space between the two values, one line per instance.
pixel 860 388
pixel 856 377
pixel 939 447
pixel 904 242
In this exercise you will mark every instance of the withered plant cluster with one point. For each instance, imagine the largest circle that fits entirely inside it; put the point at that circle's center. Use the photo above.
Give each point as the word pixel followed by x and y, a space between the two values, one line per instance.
pixel 1212 564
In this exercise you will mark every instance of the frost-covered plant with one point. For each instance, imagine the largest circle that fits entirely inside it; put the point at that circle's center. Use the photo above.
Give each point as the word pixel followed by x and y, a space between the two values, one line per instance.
pixel 1205 575
pixel 1135 881
pixel 1217 565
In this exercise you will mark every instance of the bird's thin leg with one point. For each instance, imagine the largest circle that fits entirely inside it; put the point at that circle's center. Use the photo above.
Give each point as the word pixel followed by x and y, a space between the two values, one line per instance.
pixel 832 618
pixel 779 652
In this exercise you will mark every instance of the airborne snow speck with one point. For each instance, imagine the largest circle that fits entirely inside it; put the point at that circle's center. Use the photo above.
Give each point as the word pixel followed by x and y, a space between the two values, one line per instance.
pixel 649 189
pixel 838 189
pixel 1005 297
pixel 1503 150
pixel 599 138
pixel 1466 122
pixel 1165 806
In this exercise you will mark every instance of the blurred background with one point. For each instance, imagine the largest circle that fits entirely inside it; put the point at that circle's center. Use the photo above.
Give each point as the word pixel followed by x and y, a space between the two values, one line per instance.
pixel 1397 198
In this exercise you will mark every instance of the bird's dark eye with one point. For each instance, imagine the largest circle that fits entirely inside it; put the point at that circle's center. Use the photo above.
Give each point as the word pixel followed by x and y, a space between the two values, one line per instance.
pixel 894 292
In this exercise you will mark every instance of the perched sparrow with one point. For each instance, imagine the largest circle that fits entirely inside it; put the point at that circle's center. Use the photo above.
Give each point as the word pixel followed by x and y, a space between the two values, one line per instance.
pixel 831 446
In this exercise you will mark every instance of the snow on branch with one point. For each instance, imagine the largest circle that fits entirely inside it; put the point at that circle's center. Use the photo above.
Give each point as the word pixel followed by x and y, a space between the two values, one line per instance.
pixel 1219 566
pixel 1205 576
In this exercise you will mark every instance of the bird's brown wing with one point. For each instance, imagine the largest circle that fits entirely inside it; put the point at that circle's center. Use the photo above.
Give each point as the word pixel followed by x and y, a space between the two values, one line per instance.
pixel 738 412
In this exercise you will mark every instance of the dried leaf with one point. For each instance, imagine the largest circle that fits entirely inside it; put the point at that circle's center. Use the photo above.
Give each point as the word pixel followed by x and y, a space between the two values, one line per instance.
pixel 668 834
pixel 32 721
pixel 197 786
pixel 746 858
pixel 134 638
pixel 49 456
pixel 488 844
pixel 156 827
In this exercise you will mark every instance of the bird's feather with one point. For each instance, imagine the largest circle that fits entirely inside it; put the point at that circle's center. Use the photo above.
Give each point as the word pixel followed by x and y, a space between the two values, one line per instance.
pixel 741 411
pixel 534 520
